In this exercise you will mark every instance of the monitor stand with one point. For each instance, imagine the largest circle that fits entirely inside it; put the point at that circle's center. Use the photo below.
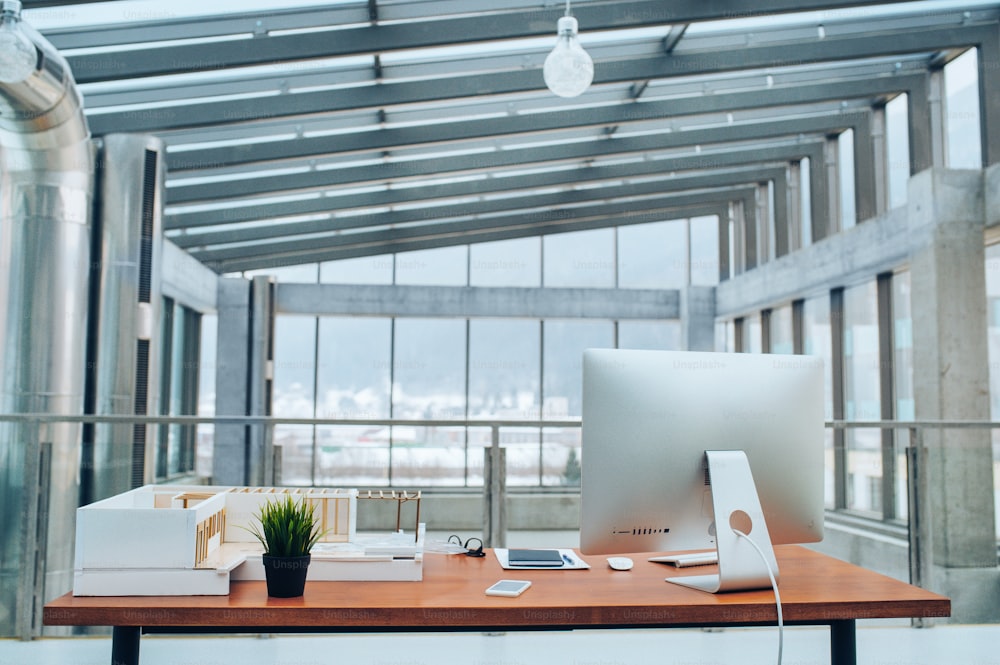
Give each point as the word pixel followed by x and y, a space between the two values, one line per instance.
pixel 735 505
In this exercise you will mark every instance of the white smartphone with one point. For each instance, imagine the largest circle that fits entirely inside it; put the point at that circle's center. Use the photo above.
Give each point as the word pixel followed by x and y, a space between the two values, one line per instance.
pixel 510 588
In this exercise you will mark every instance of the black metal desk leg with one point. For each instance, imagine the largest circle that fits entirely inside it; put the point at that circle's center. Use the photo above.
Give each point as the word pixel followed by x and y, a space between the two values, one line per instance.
pixel 843 643
pixel 125 645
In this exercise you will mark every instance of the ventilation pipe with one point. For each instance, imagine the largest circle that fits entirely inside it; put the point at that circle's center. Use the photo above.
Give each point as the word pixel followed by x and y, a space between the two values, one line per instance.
pixel 46 193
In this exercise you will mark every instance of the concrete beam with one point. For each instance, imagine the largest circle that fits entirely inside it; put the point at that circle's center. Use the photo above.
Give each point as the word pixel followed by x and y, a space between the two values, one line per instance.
pixel 450 302
pixel 859 253
pixel 187 280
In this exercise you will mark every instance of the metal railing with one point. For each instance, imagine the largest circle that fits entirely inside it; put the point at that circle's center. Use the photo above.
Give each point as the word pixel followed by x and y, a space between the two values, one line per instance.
pixel 494 485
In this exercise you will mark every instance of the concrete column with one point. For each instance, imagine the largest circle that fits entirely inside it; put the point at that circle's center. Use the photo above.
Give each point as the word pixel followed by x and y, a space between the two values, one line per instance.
pixel 782 215
pixel 698 318
pixel 229 462
pixel 831 214
pixel 763 211
pixel 866 179
pixel 880 162
pixel 921 135
pixel 950 375
pixel 819 198
pixel 246 314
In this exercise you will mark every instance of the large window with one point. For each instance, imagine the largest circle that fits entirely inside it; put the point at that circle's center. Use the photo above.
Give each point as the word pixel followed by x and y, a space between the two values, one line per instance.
pixel 352 382
pixel 666 335
pixel 505 383
pixel 817 341
pixel 179 384
pixel 382 368
pixel 446 266
pixel 206 394
pixel 294 394
pixel 581 259
pixel 902 376
pixel 653 256
pixel 897 134
pixel 862 397
pixel 704 254
pixel 779 328
pixel 962 114
pixel 993 323
pixel 506 263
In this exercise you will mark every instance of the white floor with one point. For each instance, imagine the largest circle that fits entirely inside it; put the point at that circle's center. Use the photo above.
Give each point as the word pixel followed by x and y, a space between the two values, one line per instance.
pixel 878 644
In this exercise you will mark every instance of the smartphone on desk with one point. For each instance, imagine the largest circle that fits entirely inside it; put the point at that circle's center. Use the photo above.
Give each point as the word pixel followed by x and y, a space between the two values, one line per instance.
pixel 509 588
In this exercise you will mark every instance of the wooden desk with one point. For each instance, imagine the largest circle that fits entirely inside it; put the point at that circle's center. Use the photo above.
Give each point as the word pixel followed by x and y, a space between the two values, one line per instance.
pixel 815 589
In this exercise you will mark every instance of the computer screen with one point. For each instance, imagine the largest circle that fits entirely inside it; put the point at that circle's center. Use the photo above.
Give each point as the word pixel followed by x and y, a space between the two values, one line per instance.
pixel 649 417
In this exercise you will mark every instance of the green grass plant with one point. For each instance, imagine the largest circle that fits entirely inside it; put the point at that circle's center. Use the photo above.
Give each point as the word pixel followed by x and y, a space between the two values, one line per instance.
pixel 287 527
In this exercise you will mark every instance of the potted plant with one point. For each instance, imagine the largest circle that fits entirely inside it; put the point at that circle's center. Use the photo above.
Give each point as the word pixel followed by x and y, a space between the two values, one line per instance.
pixel 288 530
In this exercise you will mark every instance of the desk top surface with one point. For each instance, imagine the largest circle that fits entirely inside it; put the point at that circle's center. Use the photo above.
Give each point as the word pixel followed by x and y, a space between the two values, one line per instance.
pixel 814 588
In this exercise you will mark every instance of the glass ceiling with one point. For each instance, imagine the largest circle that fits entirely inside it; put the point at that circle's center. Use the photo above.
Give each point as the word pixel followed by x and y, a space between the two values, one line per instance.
pixel 397 115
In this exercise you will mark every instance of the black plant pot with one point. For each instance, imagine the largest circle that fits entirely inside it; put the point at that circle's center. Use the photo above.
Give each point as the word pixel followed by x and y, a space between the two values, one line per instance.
pixel 286 575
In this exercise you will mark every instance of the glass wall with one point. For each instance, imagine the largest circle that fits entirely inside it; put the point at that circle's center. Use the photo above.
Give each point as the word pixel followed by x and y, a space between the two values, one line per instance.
pixel 862 397
pixel 178 391
pixel 380 368
pixel 667 267
pixel 354 357
pixel 704 243
pixel 562 372
pixel 363 270
pixel 779 326
pixel 506 263
pixel 817 340
pixel 902 374
pixel 581 259
pixel 962 111
pixel 446 266
pixel 897 139
pixel 294 396
pixel 845 165
pixel 206 394
pixel 664 335
pixel 428 383
pixel 752 337
pixel 993 323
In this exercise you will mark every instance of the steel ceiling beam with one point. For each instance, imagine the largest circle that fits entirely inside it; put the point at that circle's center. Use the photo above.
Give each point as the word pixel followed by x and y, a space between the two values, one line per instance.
pixel 353 252
pixel 611 213
pixel 396 137
pixel 327 251
pixel 201 27
pixel 486 186
pixel 436 32
pixel 818 125
pixel 845 48
pixel 528 202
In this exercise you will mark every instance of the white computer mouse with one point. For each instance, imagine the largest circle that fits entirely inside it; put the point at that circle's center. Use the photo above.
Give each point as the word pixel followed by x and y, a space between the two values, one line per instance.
pixel 620 562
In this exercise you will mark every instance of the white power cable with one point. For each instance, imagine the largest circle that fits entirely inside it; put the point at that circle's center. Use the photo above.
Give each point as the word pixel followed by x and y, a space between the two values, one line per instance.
pixel 774 585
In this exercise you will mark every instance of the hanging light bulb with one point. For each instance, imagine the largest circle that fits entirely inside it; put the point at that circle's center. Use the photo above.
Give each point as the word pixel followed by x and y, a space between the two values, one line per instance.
pixel 568 69
pixel 18 55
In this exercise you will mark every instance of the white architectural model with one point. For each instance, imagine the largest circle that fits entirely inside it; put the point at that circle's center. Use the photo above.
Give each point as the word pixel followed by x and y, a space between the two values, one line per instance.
pixel 192 540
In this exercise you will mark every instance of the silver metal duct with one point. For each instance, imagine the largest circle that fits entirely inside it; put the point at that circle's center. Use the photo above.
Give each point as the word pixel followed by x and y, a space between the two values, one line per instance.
pixel 46 192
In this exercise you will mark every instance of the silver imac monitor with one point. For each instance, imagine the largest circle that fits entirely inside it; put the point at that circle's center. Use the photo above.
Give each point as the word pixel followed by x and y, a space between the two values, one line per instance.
pixel 650 416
